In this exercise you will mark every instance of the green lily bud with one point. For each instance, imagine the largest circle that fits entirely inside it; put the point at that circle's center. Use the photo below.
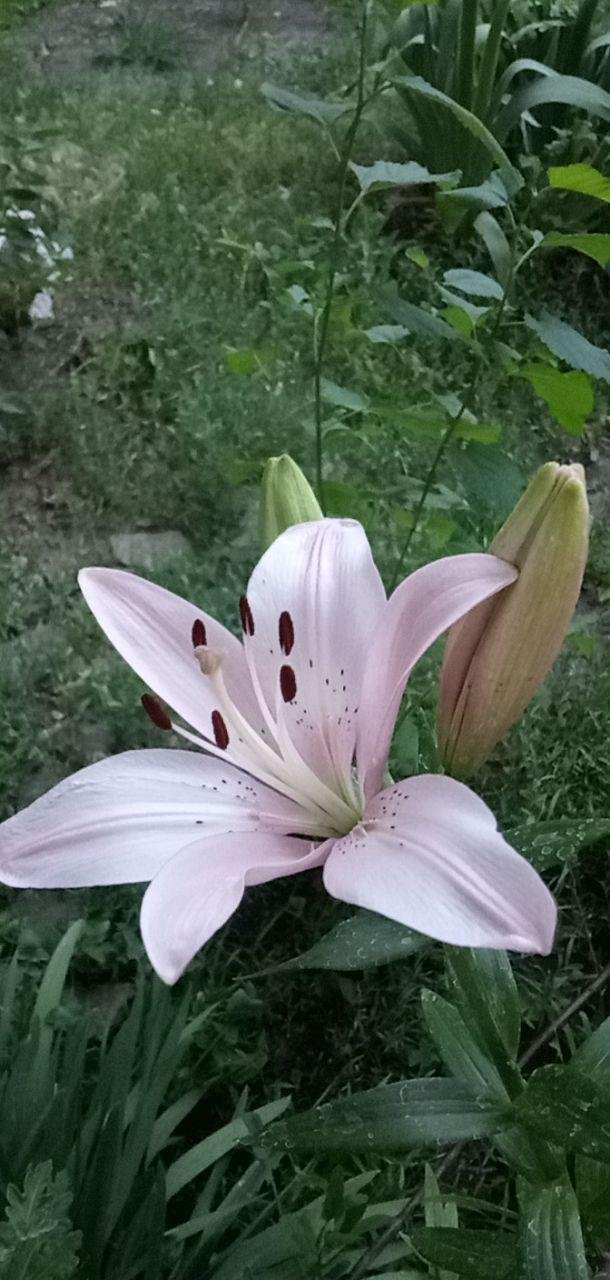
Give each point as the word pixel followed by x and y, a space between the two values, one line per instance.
pixel 287 499
pixel 498 655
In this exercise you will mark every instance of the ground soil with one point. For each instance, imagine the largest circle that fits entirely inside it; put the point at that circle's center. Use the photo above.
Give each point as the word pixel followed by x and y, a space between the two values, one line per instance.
pixel 66 40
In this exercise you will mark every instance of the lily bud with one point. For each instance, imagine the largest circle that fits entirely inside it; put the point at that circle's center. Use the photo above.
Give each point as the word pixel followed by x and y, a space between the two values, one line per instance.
pixel 498 655
pixel 287 499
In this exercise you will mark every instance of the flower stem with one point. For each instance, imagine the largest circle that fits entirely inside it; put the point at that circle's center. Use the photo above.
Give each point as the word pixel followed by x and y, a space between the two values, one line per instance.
pixel 321 330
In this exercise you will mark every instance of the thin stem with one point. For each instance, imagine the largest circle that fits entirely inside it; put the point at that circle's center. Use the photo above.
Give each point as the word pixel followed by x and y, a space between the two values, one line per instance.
pixel 321 332
pixel 551 1031
pixel 429 481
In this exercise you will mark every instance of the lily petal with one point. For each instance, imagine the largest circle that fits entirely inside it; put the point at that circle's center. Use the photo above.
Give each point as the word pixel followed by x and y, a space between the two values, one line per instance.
pixel 313 603
pixel 120 820
pixel 419 611
pixel 195 893
pixel 152 630
pixel 428 854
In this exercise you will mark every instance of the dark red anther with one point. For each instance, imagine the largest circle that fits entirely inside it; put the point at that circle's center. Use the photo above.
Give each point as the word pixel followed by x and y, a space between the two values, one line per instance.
pixel 198 633
pixel 156 711
pixel 221 733
pixel 288 684
pixel 245 613
pixel 286 631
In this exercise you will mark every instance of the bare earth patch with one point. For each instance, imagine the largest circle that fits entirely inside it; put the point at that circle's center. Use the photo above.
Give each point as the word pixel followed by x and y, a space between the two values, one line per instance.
pixel 66 40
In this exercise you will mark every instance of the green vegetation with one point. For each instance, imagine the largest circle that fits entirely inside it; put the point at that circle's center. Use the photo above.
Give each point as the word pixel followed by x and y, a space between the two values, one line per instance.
pixel 180 357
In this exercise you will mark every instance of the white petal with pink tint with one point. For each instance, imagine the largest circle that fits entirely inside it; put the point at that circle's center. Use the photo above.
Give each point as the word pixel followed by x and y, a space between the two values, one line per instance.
pixel 195 893
pixel 315 600
pixel 119 821
pixel 428 854
pixel 419 611
pixel 152 630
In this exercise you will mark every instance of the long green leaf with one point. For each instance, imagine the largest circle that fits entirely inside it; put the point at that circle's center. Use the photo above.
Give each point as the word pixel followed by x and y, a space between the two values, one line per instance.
pixel 303 105
pixel 416 87
pixel 558 842
pixel 385 174
pixel 567 1107
pixel 461 1054
pixel 364 941
pixel 204 1154
pixel 496 243
pixel 419 321
pixel 394 1117
pixel 51 988
pixel 568 90
pixel 486 991
pixel 477 1255
pixel 551 1243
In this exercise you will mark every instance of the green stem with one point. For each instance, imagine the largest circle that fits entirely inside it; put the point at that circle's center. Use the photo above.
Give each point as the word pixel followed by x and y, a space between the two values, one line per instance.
pixel 448 435
pixel 429 481
pixel 489 62
pixel 321 331
pixel 466 52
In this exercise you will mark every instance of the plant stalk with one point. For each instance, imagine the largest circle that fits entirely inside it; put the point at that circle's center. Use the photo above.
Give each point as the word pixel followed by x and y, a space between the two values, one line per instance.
pixel 321 332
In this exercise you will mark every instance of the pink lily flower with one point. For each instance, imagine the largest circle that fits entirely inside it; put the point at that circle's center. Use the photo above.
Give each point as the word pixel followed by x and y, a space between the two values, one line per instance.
pixel 295 726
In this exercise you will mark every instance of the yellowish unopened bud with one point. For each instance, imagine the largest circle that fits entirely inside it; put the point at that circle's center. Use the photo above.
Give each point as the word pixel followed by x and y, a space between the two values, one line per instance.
pixel 499 654
pixel 287 499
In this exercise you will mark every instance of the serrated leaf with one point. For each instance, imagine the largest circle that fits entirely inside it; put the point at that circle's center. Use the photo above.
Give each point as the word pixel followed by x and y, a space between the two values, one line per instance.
pixel 583 178
pixel 551 1244
pixel 419 321
pixel 477 1255
pixel 394 1117
pixel 302 104
pixel 569 396
pixel 387 333
pixel 571 346
pixel 365 941
pixel 474 283
pixel 385 174
pixel 343 397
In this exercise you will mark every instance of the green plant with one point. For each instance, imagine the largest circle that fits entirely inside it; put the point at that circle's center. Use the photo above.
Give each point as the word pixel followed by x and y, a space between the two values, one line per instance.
pixel 546 1129
pixel 36 1241
pixel 102 1112
pixel 457 104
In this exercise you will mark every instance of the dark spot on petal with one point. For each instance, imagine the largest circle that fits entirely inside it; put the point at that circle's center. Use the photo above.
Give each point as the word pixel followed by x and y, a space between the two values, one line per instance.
pixel 286 632
pixel 198 633
pixel 288 684
pixel 221 733
pixel 155 711
pixel 245 613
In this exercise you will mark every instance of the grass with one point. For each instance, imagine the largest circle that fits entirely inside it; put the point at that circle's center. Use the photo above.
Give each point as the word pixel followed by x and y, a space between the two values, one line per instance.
pixel 178 363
